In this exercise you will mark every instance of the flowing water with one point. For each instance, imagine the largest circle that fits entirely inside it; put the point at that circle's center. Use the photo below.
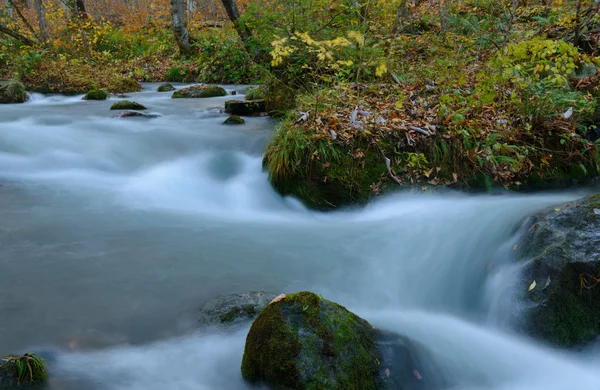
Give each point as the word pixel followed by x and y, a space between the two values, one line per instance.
pixel 113 230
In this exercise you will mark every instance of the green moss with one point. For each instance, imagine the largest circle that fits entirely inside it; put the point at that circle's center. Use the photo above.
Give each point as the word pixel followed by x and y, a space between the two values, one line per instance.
pixel 166 87
pixel 96 95
pixel 270 351
pixel 254 94
pixel 199 91
pixel 13 92
pixel 305 342
pixel 234 120
pixel 238 312
pixel 27 369
pixel 127 105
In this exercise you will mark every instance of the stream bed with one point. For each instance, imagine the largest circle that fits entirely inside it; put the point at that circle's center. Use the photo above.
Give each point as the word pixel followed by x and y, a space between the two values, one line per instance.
pixel 113 230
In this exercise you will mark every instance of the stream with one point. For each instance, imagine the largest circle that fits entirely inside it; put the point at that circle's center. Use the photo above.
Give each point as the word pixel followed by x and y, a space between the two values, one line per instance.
pixel 113 230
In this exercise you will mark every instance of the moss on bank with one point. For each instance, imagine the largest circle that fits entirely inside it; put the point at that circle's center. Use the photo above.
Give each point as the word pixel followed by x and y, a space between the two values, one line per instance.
pixel 337 156
pixel 13 92
pixel 306 342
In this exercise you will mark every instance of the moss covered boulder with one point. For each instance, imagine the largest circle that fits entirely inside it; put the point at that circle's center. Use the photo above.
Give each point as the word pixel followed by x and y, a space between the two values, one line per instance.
pixel 234 120
pixel 302 341
pixel 96 95
pixel 200 91
pixel 562 247
pixel 24 371
pixel 127 105
pixel 166 87
pixel 244 108
pixel 13 92
pixel 305 342
pixel 233 309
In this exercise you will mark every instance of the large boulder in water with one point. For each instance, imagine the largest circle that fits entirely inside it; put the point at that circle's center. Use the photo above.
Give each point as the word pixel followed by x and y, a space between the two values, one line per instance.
pixel 22 371
pixel 302 341
pixel 13 92
pixel 244 108
pixel 199 91
pixel 562 277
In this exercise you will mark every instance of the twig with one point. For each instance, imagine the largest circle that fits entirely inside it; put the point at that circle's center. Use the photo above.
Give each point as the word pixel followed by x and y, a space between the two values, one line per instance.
pixel 419 130
pixel 388 164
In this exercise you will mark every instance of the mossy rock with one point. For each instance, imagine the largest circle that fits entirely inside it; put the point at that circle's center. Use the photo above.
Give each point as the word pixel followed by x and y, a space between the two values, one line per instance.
pixel 562 247
pixel 166 87
pixel 26 371
pixel 13 92
pixel 127 105
pixel 233 309
pixel 199 91
pixel 244 108
pixel 234 120
pixel 96 95
pixel 305 342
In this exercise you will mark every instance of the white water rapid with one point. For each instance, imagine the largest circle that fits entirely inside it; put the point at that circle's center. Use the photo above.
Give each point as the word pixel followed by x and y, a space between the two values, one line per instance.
pixel 113 228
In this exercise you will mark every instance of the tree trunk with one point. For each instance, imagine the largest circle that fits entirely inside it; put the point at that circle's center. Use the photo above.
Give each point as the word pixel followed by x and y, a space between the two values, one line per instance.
pixel 179 25
pixel 401 13
pixel 577 23
pixel 234 14
pixel 42 22
pixel 442 11
pixel 80 9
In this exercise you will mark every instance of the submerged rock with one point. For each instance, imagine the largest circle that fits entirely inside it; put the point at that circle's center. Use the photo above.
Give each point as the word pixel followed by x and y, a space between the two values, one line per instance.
pixel 199 91
pixel 132 114
pixel 561 284
pixel 302 341
pixel 166 87
pixel 127 105
pixel 13 92
pixel 232 309
pixel 244 108
pixel 22 371
pixel 96 95
pixel 305 342
pixel 234 120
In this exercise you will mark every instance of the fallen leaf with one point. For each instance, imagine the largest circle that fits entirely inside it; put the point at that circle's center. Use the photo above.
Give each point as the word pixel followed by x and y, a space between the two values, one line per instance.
pixel 532 228
pixel 455 177
pixel 278 298
pixel 532 286
pixel 417 375
pixel 548 281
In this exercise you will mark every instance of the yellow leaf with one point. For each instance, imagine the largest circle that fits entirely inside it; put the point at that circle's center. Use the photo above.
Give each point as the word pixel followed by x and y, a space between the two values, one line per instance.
pixel 532 286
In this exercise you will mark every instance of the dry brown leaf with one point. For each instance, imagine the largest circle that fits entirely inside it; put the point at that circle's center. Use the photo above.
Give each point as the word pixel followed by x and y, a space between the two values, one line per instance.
pixel 278 298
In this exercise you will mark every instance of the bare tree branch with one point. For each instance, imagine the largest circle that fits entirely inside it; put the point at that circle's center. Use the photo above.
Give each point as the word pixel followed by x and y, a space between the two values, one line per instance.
pixel 16 35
